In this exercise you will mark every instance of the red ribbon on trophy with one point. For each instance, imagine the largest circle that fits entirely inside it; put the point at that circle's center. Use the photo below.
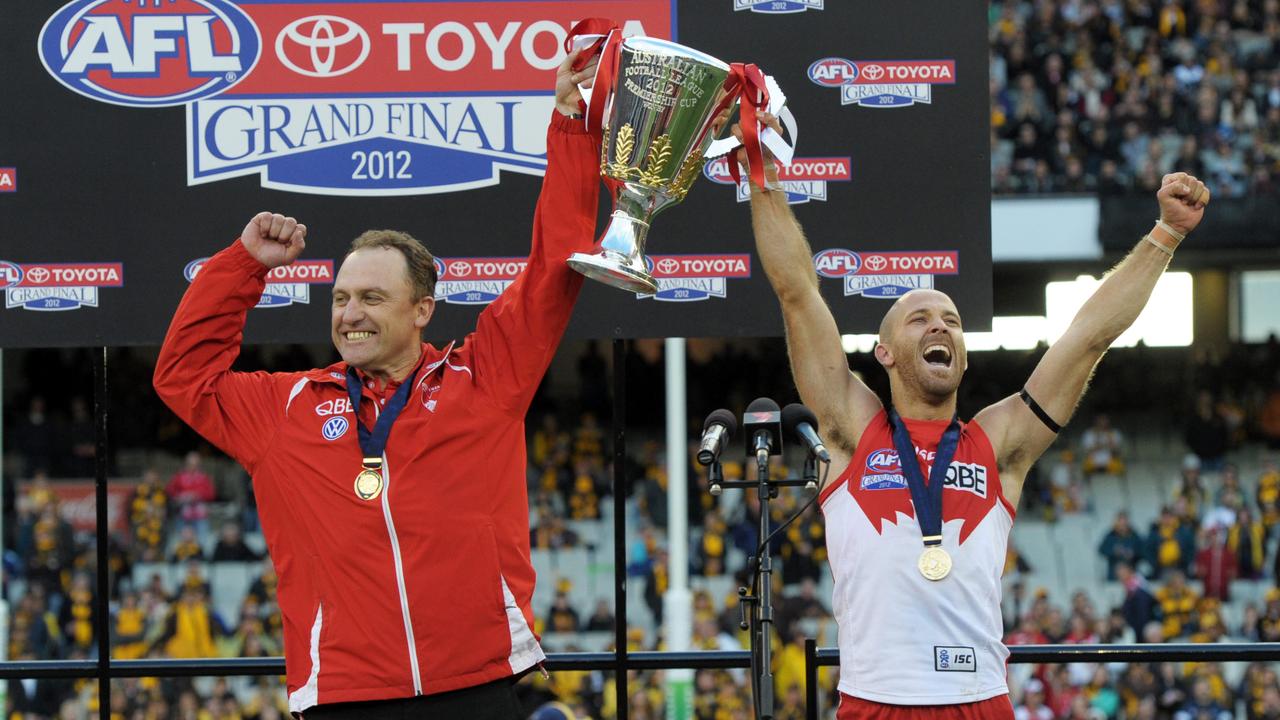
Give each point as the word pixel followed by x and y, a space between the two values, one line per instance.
pixel 598 37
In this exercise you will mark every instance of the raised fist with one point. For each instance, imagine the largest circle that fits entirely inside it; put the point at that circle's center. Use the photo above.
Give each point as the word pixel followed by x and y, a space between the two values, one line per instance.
pixel 1182 201
pixel 273 239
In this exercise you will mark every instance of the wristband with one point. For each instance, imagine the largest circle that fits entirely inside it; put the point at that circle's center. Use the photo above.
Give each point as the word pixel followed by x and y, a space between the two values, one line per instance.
pixel 1169 229
pixel 1159 245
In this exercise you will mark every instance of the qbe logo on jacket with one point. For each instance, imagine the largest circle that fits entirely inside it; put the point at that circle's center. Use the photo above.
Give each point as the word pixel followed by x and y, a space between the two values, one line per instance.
pixel 803 180
pixel 883 83
pixel 777 7
pixel 689 278
pixel 475 281
pixel 286 285
pixel 886 275
pixel 338 97
pixel 49 287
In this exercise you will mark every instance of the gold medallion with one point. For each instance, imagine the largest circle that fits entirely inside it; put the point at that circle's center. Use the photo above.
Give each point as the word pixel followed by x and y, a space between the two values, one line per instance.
pixel 934 563
pixel 369 484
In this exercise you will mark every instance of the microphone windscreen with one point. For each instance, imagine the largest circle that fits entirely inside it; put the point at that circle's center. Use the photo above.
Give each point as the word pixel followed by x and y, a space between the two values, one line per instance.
pixel 794 414
pixel 722 417
pixel 762 405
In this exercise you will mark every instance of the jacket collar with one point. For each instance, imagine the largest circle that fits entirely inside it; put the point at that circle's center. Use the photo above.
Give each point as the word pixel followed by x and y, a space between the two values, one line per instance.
pixel 432 359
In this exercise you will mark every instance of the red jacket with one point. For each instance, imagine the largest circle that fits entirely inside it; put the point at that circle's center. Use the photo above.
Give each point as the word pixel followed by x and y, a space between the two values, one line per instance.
pixel 427 587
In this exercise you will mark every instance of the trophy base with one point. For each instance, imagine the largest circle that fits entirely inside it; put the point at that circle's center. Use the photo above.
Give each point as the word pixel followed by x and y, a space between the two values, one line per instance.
pixel 605 268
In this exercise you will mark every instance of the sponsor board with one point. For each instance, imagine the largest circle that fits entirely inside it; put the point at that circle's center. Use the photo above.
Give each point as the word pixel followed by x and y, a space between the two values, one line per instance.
pixel 286 285
pixel 50 287
pixel 338 97
pixel 77 501
pixel 888 274
pixel 803 180
pixel 882 83
pixel 690 278
pixel 8 179
pixel 475 281
pixel 777 7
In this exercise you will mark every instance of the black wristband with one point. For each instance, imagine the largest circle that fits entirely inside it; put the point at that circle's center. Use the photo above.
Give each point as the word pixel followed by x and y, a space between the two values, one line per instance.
pixel 1039 411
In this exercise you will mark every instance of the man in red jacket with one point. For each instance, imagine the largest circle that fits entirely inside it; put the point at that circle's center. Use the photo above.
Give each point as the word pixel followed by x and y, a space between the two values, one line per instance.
pixel 391 485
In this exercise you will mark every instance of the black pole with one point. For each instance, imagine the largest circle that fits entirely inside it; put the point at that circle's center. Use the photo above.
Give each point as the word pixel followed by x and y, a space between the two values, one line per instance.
pixel 619 524
pixel 811 679
pixel 104 567
pixel 763 630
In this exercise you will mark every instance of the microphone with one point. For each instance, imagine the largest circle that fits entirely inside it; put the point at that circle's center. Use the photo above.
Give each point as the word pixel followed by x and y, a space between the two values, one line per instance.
pixel 717 431
pixel 801 422
pixel 762 423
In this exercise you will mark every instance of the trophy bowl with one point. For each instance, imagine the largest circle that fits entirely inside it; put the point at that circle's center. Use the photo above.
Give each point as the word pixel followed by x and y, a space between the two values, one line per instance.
pixel 657 125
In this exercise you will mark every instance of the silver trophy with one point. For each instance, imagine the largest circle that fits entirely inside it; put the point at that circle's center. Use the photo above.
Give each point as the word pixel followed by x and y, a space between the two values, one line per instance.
pixel 657 126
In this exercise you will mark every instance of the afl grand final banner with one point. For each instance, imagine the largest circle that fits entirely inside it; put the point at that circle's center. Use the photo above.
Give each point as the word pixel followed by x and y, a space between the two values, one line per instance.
pixel 140 135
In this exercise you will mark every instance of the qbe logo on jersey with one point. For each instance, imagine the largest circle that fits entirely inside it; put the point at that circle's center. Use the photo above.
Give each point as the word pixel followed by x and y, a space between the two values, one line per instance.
pixel 338 97
pixel 475 281
pixel 56 286
pixel 689 278
pixel 886 275
pixel 777 7
pixel 883 83
pixel 803 180
pixel 286 285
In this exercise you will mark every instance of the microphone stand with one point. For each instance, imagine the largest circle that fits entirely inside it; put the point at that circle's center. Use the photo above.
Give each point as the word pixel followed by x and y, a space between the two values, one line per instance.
pixel 757 608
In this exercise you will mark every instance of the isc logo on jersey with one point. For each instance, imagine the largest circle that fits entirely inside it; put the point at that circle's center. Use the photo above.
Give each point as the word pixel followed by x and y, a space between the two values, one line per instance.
pixel 803 180
pixel 777 7
pixel 364 97
pixel 689 278
pixel 475 281
pixel 49 287
pixel 883 83
pixel 149 53
pixel 885 275
pixel 286 285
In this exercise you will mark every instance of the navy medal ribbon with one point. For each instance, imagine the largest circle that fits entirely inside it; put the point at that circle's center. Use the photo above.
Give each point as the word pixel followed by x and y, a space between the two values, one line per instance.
pixel 927 500
pixel 373 442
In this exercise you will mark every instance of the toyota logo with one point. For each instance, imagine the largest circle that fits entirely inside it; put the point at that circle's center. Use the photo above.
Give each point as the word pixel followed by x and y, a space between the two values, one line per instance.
pixel 876 263
pixel 460 269
pixel 38 275
pixel 873 72
pixel 668 266
pixel 323 36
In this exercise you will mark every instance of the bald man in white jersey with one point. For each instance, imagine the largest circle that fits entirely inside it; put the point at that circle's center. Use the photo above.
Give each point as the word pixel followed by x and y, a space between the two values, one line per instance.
pixel 917 568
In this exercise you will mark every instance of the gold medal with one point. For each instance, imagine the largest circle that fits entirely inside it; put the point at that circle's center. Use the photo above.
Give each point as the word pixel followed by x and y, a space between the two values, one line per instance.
pixel 934 563
pixel 369 485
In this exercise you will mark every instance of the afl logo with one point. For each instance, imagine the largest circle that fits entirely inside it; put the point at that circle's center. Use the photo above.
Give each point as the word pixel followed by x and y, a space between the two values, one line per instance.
pixel 837 263
pixel 833 72
pixel 439 267
pixel 149 53
pixel 193 268
pixel 334 428
pixel 10 274
pixel 317 46
pixel 884 460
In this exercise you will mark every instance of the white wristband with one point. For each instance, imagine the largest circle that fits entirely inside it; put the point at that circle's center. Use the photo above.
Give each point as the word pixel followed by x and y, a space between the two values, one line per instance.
pixel 1163 248
pixel 1167 228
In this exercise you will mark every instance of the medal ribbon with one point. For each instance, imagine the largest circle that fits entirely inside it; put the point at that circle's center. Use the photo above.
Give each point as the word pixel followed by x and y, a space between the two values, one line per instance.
pixel 927 500
pixel 374 442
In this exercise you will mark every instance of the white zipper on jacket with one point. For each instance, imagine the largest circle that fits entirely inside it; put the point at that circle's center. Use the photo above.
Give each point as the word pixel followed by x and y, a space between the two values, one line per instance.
pixel 404 595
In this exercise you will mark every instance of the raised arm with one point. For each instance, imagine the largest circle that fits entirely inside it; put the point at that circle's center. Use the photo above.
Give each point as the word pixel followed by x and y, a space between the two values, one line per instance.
pixel 237 412
pixel 1060 379
pixel 517 335
pixel 843 404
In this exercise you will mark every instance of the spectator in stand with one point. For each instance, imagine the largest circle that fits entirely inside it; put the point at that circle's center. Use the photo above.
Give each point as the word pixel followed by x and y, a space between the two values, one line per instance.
pixel 1102 447
pixel 1032 706
pixel 231 546
pixel 147 518
pixel 1178 603
pixel 550 533
pixel 1206 433
pixel 188 547
pixel 1170 543
pixel 189 491
pixel 1216 565
pixel 602 619
pixel 1201 704
pixel 1188 494
pixel 191 627
pixel 35 439
pixel 1121 545
pixel 1247 539
pixel 563 618
pixel 1268 495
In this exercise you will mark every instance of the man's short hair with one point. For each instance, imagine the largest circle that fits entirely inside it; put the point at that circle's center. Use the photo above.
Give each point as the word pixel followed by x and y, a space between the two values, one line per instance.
pixel 418 260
